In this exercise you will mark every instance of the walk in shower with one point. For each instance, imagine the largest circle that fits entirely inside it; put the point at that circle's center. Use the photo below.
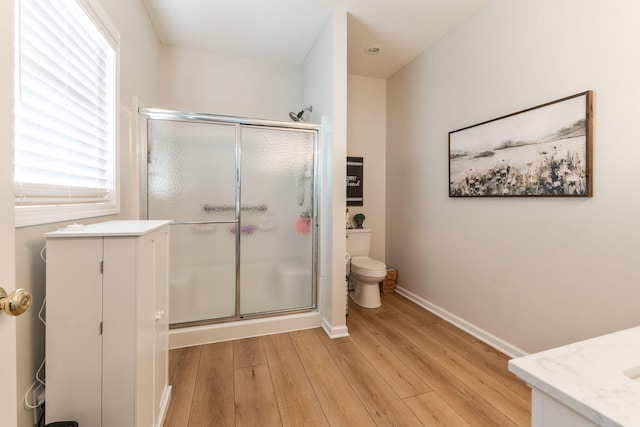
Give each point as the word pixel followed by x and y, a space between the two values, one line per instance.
pixel 241 194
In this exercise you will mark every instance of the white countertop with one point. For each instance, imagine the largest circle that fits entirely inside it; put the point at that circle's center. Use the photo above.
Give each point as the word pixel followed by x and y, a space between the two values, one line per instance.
pixel 109 228
pixel 588 377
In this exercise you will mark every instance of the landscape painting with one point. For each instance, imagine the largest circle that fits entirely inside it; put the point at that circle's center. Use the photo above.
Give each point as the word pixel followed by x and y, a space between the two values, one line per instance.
pixel 543 151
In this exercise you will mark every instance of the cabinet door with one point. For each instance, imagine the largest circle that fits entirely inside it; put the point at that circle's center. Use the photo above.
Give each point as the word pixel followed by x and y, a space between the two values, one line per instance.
pixel 73 340
pixel 120 334
pixel 146 319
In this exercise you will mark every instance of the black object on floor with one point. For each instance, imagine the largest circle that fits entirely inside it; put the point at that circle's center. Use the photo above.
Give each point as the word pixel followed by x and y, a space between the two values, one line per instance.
pixel 63 424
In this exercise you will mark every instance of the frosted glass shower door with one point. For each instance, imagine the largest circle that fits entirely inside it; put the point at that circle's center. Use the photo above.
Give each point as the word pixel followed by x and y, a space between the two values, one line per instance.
pixel 276 223
pixel 191 179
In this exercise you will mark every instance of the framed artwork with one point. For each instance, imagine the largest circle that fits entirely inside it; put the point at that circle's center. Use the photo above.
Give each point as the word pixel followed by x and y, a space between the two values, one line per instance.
pixel 355 181
pixel 542 151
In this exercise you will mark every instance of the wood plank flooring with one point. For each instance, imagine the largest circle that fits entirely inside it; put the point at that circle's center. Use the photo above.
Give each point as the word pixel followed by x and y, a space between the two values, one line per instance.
pixel 401 366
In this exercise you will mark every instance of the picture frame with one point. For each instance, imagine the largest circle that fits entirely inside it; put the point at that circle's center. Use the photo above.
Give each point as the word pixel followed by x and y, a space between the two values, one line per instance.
pixel 355 181
pixel 543 151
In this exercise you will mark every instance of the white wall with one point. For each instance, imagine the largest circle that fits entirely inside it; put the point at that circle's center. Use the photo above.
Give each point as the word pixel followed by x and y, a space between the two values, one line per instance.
pixel 206 82
pixel 366 137
pixel 535 273
pixel 325 87
pixel 138 65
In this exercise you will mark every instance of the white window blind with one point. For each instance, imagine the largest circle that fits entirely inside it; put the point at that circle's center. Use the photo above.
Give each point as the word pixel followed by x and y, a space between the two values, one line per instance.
pixel 65 111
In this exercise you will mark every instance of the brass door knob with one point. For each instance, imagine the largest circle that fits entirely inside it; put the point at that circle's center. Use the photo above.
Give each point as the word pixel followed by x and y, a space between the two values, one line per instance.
pixel 15 303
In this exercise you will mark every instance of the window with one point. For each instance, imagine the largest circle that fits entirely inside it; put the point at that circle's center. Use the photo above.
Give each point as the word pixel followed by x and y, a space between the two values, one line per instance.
pixel 65 126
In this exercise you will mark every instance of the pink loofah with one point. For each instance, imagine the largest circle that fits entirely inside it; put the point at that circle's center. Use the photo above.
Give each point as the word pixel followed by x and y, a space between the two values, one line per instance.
pixel 303 225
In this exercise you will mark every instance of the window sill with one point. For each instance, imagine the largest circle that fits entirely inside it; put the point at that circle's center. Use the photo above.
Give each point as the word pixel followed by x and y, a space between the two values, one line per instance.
pixel 26 216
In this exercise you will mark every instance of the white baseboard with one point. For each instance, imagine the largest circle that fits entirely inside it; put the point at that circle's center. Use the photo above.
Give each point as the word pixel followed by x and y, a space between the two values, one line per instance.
pixel 484 336
pixel 164 405
pixel 334 332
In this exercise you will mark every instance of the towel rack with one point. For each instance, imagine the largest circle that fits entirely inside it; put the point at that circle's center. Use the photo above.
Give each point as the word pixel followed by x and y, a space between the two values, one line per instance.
pixel 225 208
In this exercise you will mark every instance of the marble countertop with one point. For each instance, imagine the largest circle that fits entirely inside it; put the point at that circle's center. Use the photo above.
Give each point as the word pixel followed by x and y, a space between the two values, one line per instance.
pixel 589 376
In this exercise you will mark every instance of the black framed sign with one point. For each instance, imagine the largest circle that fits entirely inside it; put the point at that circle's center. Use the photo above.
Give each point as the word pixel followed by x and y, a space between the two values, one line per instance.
pixel 355 171
pixel 543 151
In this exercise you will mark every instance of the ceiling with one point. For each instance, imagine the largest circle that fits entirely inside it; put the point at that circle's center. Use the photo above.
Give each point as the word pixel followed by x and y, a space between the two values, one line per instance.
pixel 283 31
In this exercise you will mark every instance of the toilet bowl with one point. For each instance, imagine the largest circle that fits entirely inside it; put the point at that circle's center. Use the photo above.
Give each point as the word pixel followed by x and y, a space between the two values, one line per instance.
pixel 367 273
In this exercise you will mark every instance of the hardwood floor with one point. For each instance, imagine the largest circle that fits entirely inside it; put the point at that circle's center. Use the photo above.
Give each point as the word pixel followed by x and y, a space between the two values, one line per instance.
pixel 401 366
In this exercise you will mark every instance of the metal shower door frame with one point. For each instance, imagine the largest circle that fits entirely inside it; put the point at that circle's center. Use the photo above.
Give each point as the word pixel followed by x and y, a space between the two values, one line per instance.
pixel 149 114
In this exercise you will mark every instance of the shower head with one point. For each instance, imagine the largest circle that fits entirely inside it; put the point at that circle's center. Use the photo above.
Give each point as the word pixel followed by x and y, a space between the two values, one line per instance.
pixel 298 117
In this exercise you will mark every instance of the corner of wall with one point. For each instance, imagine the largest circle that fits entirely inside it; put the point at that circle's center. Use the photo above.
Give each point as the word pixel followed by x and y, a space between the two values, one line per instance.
pixel 324 85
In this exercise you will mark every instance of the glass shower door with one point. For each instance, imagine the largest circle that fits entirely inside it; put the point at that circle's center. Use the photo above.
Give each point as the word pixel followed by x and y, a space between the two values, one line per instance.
pixel 241 198
pixel 191 179
pixel 276 222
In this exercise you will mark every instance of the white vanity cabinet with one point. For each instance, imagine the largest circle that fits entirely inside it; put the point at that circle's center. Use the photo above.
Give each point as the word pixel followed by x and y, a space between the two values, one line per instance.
pixel 107 330
pixel 549 412
pixel 585 384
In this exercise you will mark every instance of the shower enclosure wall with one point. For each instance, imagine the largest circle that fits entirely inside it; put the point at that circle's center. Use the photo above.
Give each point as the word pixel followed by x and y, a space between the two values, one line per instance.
pixel 241 194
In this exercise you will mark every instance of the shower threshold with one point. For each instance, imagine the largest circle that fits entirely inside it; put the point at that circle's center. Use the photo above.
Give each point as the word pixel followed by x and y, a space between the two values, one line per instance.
pixel 249 316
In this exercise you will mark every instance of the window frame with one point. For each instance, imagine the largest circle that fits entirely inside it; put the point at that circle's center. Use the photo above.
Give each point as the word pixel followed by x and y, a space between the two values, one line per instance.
pixel 45 214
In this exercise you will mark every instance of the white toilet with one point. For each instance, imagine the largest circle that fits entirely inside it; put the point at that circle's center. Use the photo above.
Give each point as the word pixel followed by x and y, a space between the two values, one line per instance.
pixel 366 272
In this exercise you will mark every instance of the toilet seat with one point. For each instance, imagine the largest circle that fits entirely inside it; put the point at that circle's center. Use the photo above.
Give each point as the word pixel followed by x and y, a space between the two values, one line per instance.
pixel 367 267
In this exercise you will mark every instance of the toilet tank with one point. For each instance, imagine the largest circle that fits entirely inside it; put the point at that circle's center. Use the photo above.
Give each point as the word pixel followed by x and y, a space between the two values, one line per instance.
pixel 358 242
